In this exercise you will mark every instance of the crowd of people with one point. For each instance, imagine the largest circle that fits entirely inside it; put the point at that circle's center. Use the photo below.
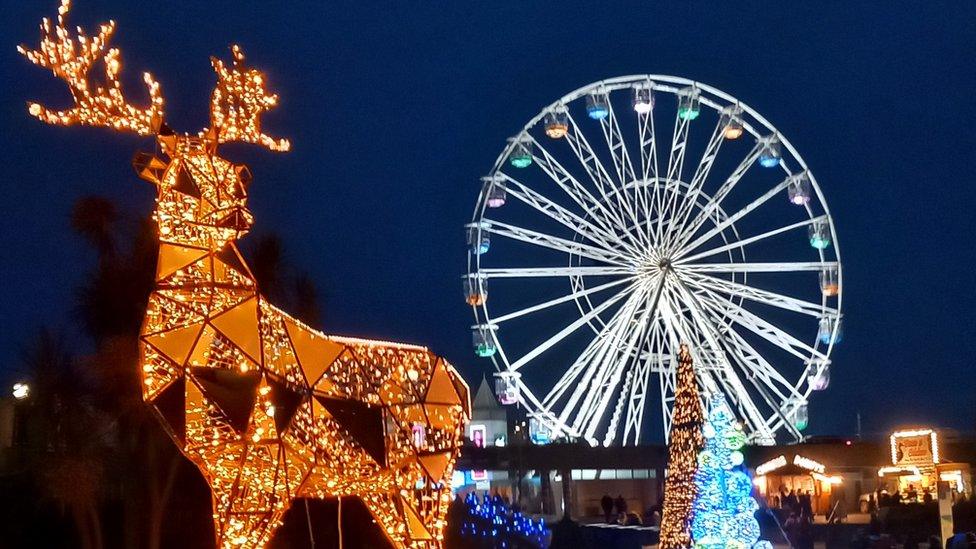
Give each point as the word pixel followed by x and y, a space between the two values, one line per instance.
pixel 615 511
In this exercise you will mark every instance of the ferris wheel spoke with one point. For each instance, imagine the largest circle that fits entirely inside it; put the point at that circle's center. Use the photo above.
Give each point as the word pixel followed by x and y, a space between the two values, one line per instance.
pixel 649 166
pixel 617 359
pixel 687 203
pixel 764 379
pixel 575 325
pixel 705 213
pixel 648 144
pixel 558 301
pixel 554 242
pixel 732 219
pixel 676 161
pixel 599 174
pixel 568 380
pixel 768 331
pixel 675 333
pixel 751 360
pixel 710 356
pixel 752 239
pixel 709 360
pixel 541 272
pixel 618 147
pixel 612 221
pixel 714 339
pixel 784 267
pixel 621 160
pixel 563 216
pixel 765 297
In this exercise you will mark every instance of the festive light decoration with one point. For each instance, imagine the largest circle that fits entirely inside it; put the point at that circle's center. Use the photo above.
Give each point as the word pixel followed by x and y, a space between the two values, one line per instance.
pixel 490 522
pixel 267 408
pixel 933 439
pixel 685 442
pixel 724 510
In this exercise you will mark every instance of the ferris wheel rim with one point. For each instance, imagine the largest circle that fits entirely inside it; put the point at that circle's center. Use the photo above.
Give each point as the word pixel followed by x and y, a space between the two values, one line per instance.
pixel 625 82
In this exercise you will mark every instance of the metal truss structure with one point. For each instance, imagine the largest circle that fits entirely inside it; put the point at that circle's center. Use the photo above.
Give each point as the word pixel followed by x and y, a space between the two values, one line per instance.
pixel 268 409
pixel 590 213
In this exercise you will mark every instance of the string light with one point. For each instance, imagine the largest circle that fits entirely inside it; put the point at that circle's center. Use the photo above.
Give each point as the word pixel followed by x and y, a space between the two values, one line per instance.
pixel 491 517
pixel 685 442
pixel 267 408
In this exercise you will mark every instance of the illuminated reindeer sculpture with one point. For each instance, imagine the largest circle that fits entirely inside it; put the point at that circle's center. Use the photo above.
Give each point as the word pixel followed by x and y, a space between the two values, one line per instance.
pixel 267 408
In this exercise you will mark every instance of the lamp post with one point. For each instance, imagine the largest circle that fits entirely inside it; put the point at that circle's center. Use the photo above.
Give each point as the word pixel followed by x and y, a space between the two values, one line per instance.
pixel 21 390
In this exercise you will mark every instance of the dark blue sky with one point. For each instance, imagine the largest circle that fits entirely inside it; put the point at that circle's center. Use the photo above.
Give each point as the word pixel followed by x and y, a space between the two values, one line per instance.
pixel 395 109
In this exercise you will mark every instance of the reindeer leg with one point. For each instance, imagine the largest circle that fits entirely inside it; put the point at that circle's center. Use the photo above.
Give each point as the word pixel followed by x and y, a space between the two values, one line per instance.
pixel 401 522
pixel 249 497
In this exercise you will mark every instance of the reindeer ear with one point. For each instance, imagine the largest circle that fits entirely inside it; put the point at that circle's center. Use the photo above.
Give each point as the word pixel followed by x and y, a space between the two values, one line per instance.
pixel 149 167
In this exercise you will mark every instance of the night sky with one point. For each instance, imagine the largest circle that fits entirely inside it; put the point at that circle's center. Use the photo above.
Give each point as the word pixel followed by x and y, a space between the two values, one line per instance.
pixel 395 110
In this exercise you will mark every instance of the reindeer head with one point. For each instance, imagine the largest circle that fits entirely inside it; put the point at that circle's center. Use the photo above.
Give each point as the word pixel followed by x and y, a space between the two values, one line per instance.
pixel 201 197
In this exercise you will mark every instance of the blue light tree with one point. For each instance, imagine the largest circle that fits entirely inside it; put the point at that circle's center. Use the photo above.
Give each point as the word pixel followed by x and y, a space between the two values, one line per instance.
pixel 491 523
pixel 724 509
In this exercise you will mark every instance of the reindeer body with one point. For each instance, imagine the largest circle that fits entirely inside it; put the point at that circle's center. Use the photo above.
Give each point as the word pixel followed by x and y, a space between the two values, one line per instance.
pixel 268 409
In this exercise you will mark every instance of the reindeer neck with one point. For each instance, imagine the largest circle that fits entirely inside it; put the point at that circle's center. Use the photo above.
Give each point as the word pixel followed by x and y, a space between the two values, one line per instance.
pixel 185 266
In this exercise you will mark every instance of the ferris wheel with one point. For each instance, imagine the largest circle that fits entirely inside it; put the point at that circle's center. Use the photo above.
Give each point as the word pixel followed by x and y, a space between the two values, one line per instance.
pixel 615 226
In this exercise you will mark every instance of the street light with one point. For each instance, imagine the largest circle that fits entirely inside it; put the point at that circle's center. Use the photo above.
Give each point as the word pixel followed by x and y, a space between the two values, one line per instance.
pixel 21 391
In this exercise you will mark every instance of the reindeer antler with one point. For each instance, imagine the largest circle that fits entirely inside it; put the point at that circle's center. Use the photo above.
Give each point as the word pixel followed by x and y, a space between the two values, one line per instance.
pixel 71 58
pixel 238 102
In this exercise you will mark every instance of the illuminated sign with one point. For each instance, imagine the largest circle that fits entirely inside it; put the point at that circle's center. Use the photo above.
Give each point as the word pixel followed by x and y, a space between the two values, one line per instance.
pixel 771 465
pixel 909 471
pixel 918 448
pixel 825 478
pixel 808 464
pixel 478 435
pixel 798 460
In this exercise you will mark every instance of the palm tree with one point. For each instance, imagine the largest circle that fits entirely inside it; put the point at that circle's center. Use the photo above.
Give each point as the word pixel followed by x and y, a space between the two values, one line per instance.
pixel 66 453
pixel 93 217
pixel 111 305
pixel 278 280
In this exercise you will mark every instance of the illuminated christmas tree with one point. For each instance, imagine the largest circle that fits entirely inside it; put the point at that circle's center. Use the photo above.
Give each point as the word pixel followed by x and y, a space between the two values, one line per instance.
pixel 724 510
pixel 685 443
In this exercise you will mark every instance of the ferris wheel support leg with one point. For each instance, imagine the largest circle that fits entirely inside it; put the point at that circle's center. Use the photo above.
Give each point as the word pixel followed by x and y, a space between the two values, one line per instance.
pixel 712 336
pixel 599 349
pixel 648 317
pixel 605 373
pixel 618 371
